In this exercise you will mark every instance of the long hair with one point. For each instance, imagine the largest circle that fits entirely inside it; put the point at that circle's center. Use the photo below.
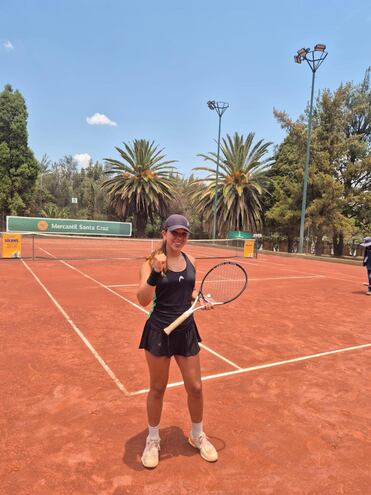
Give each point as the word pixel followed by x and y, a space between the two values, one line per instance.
pixel 161 250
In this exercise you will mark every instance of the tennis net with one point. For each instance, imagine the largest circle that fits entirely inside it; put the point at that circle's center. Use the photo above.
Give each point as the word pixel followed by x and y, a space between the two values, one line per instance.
pixel 74 247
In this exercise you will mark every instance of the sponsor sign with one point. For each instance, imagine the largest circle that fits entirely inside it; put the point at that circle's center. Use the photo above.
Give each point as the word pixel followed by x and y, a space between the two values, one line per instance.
pixel 67 226
pixel 12 244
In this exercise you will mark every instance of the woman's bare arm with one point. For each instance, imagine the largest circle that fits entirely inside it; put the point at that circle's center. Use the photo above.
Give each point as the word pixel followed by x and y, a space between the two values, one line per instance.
pixel 193 261
pixel 145 292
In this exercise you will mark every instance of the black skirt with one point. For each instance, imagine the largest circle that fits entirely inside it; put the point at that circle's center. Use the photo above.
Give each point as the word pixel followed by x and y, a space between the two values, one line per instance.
pixel 183 341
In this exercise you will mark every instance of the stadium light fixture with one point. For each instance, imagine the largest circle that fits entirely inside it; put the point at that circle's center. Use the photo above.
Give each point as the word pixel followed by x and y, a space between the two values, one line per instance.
pixel 211 104
pixel 303 52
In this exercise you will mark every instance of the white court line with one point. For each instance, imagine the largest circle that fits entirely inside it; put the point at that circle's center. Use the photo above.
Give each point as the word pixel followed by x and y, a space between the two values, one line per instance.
pixel 75 328
pixel 278 265
pixel 263 366
pixel 274 265
pixel 123 285
pixel 353 281
pixel 140 308
pixel 286 278
pixel 220 356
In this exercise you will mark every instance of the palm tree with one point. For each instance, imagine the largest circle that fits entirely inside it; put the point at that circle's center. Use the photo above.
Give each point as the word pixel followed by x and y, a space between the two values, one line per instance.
pixel 51 210
pixel 242 184
pixel 141 185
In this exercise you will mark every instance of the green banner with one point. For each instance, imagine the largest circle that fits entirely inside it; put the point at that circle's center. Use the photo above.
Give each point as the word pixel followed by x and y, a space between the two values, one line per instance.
pixel 239 234
pixel 67 226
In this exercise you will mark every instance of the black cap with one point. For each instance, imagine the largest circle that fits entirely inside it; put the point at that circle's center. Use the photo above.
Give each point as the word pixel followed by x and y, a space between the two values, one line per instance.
pixel 176 222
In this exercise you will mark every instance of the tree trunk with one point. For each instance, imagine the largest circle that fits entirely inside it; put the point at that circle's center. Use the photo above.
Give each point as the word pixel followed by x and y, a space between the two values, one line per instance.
pixel 3 221
pixel 290 244
pixel 140 225
pixel 318 248
pixel 338 244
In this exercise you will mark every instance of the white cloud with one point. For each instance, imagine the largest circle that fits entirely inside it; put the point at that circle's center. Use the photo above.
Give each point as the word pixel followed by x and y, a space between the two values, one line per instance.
pixel 83 159
pixel 8 45
pixel 100 119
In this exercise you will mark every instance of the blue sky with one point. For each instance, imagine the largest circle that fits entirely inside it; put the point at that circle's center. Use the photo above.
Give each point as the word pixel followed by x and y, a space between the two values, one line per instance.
pixel 149 68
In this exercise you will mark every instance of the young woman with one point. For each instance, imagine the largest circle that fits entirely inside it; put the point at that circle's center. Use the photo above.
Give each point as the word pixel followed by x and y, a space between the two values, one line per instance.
pixel 167 279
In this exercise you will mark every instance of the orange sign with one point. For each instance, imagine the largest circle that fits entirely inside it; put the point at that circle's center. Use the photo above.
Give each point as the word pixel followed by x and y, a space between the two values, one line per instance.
pixel 248 248
pixel 12 245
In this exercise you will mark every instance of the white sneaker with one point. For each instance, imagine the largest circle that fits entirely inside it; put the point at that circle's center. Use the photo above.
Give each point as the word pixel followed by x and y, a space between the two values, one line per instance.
pixel 206 448
pixel 150 456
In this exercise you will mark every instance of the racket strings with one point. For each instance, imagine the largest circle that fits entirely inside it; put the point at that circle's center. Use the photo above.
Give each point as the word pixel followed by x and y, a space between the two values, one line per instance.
pixel 224 283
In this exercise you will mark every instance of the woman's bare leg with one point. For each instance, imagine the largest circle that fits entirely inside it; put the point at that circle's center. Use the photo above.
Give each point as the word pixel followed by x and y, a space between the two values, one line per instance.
pixel 191 373
pixel 159 375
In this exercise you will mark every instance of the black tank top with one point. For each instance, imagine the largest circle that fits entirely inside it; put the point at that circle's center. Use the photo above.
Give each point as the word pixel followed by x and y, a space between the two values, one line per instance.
pixel 173 296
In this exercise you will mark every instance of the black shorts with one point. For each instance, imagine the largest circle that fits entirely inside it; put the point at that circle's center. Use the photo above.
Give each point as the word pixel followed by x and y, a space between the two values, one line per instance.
pixel 183 341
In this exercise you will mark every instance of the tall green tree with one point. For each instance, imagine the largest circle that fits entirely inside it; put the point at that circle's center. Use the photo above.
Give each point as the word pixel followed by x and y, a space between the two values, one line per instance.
pixel 18 167
pixel 325 216
pixel 325 193
pixel 339 180
pixel 140 184
pixel 354 168
pixel 93 202
pixel 242 184
pixel 60 181
pixel 185 188
pixel 282 208
pixel 41 195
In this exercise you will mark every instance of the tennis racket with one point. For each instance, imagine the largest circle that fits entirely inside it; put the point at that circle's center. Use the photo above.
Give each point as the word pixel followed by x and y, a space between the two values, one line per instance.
pixel 222 284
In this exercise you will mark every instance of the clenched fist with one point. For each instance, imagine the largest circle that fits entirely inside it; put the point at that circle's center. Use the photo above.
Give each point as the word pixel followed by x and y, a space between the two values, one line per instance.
pixel 159 262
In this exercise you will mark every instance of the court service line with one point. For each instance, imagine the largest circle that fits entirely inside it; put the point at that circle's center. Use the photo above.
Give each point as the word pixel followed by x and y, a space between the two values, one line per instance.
pixel 294 277
pixel 226 360
pixel 286 267
pixel 263 366
pixel 353 281
pixel 274 265
pixel 75 328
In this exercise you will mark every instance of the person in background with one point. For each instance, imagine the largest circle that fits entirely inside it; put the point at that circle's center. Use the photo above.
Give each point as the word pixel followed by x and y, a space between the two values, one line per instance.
pixel 167 279
pixel 367 261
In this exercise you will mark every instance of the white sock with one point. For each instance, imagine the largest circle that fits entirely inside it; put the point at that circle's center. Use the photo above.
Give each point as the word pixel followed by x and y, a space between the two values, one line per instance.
pixel 154 432
pixel 196 429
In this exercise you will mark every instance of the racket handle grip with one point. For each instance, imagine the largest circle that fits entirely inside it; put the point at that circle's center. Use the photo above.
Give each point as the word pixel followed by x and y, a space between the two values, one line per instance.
pixel 178 321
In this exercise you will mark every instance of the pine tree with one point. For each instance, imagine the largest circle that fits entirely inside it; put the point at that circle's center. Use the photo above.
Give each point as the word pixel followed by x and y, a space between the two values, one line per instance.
pixel 18 167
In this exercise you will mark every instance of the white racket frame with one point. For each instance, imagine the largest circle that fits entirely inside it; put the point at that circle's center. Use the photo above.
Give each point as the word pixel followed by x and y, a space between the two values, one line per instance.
pixel 200 295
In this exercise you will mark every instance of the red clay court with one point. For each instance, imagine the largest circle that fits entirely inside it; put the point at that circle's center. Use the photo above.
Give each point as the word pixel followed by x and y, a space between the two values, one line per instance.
pixel 286 372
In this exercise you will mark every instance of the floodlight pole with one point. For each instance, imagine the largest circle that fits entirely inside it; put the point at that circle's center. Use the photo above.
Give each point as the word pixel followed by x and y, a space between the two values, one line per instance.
pixel 41 189
pixel 314 59
pixel 220 107
pixel 306 169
